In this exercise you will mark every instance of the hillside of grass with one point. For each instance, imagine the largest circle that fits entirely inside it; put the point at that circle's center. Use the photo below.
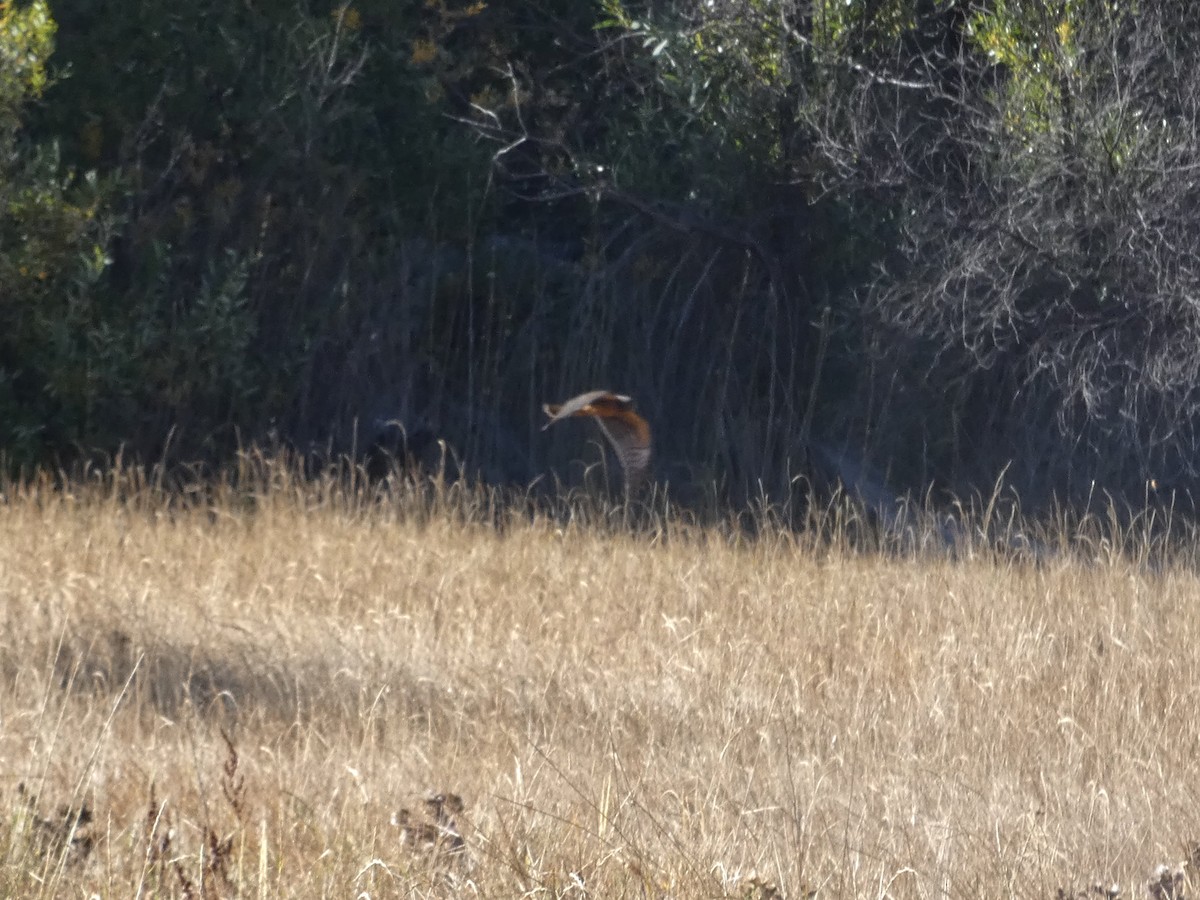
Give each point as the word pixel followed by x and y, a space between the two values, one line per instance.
pixel 297 689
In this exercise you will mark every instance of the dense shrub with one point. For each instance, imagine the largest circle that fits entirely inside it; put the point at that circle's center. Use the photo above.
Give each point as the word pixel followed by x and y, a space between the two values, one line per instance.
pixel 53 234
pixel 990 201
pixel 933 236
pixel 267 161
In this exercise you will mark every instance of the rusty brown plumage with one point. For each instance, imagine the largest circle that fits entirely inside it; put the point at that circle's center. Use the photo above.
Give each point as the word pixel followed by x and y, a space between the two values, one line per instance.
pixel 628 432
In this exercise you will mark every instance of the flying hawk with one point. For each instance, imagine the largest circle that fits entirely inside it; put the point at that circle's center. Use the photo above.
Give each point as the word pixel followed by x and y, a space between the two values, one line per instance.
pixel 628 432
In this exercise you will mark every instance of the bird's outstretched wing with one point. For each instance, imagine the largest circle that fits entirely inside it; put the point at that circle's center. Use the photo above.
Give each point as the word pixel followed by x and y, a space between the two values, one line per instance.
pixel 628 432
pixel 593 403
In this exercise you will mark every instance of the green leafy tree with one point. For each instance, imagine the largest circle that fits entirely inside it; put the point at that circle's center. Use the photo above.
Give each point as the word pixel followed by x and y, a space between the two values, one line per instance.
pixel 53 234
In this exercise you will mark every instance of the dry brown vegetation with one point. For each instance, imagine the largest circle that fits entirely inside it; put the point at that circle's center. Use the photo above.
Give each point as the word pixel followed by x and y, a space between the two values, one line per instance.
pixel 299 690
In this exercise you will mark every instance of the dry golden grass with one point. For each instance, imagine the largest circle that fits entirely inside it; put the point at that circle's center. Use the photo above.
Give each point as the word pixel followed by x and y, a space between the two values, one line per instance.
pixel 257 696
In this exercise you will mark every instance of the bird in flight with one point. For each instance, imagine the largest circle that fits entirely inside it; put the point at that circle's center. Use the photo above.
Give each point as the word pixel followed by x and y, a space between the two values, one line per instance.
pixel 628 432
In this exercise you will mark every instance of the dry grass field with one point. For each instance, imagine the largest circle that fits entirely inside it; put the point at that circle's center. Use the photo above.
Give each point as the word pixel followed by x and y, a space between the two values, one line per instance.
pixel 301 692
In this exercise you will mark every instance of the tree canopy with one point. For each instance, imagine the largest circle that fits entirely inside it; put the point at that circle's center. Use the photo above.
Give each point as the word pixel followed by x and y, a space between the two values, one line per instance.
pixel 950 237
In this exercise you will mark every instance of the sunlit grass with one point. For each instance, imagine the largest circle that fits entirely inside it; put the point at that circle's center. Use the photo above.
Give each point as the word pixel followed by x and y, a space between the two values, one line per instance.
pixel 255 689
